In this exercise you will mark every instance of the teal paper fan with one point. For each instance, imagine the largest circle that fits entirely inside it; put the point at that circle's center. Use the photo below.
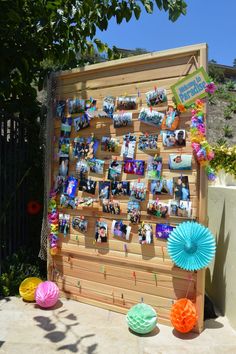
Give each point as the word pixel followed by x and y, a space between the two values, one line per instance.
pixel 141 318
pixel 191 246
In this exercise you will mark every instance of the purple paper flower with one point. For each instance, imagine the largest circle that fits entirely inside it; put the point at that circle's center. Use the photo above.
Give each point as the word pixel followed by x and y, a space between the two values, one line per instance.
pixel 210 88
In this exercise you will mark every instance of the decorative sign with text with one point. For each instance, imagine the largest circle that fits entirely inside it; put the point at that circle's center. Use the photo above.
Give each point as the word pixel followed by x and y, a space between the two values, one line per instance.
pixel 188 89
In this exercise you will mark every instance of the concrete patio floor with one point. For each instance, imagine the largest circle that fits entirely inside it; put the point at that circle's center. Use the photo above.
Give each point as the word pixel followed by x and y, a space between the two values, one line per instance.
pixel 73 327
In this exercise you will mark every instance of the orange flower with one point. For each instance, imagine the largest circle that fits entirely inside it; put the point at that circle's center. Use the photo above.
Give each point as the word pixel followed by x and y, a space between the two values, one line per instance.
pixel 181 108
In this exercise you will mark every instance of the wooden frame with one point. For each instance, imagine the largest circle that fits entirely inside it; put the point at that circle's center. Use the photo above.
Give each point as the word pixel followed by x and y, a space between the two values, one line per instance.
pixel 106 275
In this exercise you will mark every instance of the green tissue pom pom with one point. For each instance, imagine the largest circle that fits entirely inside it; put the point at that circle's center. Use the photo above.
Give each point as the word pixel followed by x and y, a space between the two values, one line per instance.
pixel 141 318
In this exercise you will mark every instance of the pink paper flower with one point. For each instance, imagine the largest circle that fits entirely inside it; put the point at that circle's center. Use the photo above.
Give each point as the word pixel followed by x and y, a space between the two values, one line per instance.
pixel 210 88
pixel 210 155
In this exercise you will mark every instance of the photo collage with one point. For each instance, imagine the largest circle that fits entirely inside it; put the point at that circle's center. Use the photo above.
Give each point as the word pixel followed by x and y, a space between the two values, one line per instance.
pixel 101 180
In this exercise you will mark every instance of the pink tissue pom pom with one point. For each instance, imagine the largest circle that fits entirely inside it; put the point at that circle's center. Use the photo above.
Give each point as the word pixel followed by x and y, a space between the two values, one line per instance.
pixel 210 88
pixel 46 294
pixel 196 147
pixel 210 155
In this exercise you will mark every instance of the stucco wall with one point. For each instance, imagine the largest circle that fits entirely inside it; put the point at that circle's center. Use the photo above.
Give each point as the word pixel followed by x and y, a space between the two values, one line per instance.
pixel 221 275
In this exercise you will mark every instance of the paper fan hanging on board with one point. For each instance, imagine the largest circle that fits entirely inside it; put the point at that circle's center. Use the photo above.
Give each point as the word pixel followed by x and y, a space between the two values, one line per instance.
pixel 191 246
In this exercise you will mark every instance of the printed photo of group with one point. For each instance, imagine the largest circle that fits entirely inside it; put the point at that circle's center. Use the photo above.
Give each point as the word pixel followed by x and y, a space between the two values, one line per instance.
pixel 126 103
pixel 115 170
pixel 87 185
pixel 81 122
pixel 163 230
pixel 175 138
pixel 120 188
pixel 134 167
pixel 121 230
pixel 134 212
pixel 151 117
pixel 111 206
pixel 180 208
pixel 158 208
pixel 161 186
pixel 76 105
pixel 104 189
pixel 128 146
pixel 137 191
pixel 109 105
pixel 109 144
pixel 154 167
pixel 79 223
pixel 122 119
pixel 96 166
pixel 155 97
pixel 148 142
pixel 145 234
pixel 181 188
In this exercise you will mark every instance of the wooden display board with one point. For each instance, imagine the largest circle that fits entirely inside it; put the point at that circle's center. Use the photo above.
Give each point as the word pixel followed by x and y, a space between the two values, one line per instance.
pixel 106 274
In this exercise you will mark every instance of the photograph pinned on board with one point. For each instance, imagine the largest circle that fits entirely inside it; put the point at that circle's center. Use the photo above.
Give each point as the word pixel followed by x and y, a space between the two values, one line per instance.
pixel 59 184
pixel 151 117
pixel 66 123
pixel 134 167
pixel 109 105
pixel 120 188
pixel 67 202
pixel 148 142
pixel 128 146
pixel 180 162
pixel 138 191
pixel 180 208
pixel 64 224
pixel 80 224
pixel 96 166
pixel 81 122
pixel 145 234
pixel 176 138
pixel 64 147
pixel 161 186
pixel 171 119
pixel 111 206
pixel 156 97
pixel 63 166
pixel 87 185
pixel 123 119
pixel 85 201
pixel 90 106
pixel 126 103
pixel 101 231
pixel 76 105
pixel 134 212
pixel 154 167
pixel 60 108
pixel 109 144
pixel 71 186
pixel 104 189
pixel 81 168
pixel 163 230
pixel 85 148
pixel 121 230
pixel 115 170
pixel 158 208
pixel 181 188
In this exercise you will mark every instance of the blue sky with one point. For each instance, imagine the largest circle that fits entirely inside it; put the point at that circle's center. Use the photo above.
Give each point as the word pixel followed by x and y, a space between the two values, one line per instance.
pixel 210 21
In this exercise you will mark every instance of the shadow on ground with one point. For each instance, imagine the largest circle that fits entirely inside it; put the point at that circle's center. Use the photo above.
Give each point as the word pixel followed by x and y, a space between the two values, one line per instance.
pixel 57 335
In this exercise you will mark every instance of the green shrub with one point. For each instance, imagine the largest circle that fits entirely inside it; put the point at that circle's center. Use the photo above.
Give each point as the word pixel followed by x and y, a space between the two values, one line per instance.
pixel 225 159
pixel 16 268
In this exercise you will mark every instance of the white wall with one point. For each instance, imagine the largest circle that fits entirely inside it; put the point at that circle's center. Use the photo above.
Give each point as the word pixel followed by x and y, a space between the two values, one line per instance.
pixel 221 275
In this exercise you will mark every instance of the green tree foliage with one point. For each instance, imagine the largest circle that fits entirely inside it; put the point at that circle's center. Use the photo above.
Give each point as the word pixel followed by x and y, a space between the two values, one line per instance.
pixel 36 33
pixel 217 74
pixel 234 63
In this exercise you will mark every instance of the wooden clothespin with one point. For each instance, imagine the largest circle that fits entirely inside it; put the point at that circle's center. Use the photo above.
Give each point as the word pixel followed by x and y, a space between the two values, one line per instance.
pixel 155 277
pixel 163 254
pixel 134 276
pixel 142 299
pixel 155 88
pixel 122 297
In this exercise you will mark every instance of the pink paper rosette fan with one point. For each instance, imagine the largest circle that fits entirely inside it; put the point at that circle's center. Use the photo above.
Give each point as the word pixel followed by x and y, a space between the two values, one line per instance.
pixel 46 294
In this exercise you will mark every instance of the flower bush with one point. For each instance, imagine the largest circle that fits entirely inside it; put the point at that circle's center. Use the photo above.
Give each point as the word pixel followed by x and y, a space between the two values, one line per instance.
pixel 224 159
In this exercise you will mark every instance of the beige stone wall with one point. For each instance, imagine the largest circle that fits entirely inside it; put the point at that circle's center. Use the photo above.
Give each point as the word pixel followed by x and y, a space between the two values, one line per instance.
pixel 221 275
